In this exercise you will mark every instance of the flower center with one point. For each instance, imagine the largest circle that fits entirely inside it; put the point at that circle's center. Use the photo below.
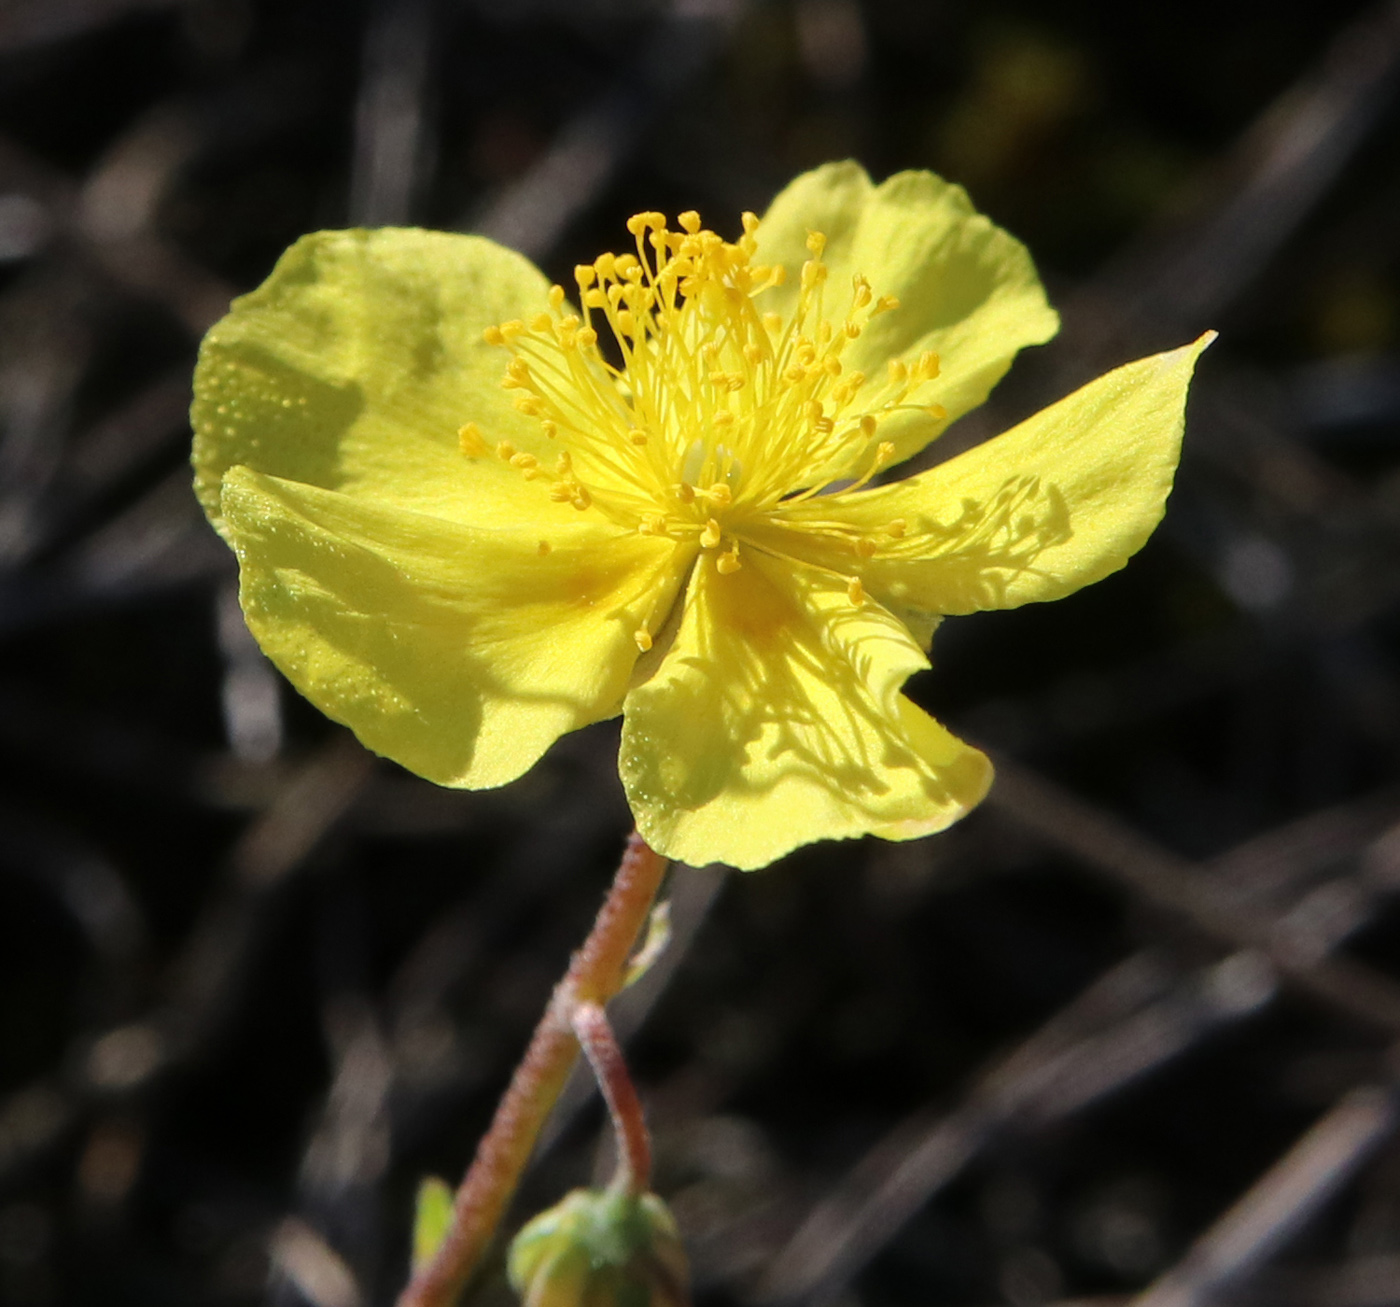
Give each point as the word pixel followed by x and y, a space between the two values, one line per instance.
pixel 710 412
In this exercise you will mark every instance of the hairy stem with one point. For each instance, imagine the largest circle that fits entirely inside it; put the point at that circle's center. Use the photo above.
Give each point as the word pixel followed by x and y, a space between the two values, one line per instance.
pixel 595 974
pixel 604 1055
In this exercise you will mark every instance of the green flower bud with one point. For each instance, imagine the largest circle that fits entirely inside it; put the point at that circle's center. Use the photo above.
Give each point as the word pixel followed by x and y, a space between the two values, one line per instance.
pixel 601 1248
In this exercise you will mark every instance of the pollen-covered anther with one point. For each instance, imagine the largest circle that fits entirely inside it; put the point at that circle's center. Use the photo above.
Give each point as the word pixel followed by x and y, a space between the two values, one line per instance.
pixel 855 592
pixel 897 529
pixel 720 495
pixel 545 549
pixel 711 535
pixel 471 442
pixel 643 638
pixel 685 492
pixel 505 451
pixel 493 336
pixel 864 547
pixel 527 464
pixel 530 405
pixel 729 562
pixel 637 437
pixel 816 243
pixel 581 498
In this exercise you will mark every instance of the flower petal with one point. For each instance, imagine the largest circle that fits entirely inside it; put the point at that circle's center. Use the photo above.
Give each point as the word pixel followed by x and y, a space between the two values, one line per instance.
pixel 354 366
pixel 460 653
pixel 775 719
pixel 966 289
pixel 1054 504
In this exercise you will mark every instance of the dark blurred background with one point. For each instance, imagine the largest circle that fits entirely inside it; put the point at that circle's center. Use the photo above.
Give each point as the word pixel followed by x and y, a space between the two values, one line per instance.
pixel 1126 1034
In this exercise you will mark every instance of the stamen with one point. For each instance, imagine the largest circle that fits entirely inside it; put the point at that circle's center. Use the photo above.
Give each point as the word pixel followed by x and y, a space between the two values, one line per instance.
pixel 729 563
pixel 545 548
pixel 471 442
pixel 711 535
pixel 855 592
pixel 643 638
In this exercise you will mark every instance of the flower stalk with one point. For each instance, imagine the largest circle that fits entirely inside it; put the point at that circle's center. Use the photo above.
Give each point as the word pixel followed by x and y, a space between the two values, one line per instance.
pixel 604 1055
pixel 595 974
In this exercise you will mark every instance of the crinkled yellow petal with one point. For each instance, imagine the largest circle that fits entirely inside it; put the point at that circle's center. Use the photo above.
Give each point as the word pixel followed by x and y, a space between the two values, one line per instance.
pixel 967 290
pixel 460 653
pixel 775 719
pixel 354 366
pixel 1056 503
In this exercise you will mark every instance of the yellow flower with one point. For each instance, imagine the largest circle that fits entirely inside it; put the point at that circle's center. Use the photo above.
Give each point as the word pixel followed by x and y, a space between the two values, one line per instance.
pixel 665 506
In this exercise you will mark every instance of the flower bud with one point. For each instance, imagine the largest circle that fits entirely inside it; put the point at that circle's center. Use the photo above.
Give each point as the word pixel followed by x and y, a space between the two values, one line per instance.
pixel 601 1248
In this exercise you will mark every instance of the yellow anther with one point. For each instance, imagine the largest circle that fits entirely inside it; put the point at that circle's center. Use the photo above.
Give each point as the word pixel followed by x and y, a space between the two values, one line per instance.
pixel 493 336
pixel 562 492
pixel 724 418
pixel 604 265
pixel 565 463
pixel 541 322
pixel 685 492
pixel 897 528
pixel 545 548
pixel 643 638
pixel 899 372
pixel 750 221
pixel 526 463
pixel 884 451
pixel 711 535
pixel 884 304
pixel 556 296
pixel 862 294
pixel 816 242
pixel 582 499
pixel 518 370
pixel 585 274
pixel 654 524
pixel 812 409
pixel 855 592
pixel 831 366
pixel 550 429
pixel 928 365
pixel 720 495
pixel 506 451
pixel 689 221
pixel 753 354
pixel 729 563
pixel 625 265
pixel 595 299
pixel 529 405
pixel 471 442
pixel 587 337
pixel 865 547
pixel 812 273
pixel 772 323
pixel 638 223
pixel 936 411
pixel 852 329
pixel 637 437
pixel 626 325
pixel 511 329
pixel 868 425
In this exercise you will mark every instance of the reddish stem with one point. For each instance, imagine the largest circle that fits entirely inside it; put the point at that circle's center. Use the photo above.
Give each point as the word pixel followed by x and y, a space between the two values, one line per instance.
pixel 595 974
pixel 629 1125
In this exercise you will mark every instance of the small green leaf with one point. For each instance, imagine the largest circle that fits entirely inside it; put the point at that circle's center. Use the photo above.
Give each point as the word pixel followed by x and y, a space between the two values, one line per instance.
pixel 657 937
pixel 431 1219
